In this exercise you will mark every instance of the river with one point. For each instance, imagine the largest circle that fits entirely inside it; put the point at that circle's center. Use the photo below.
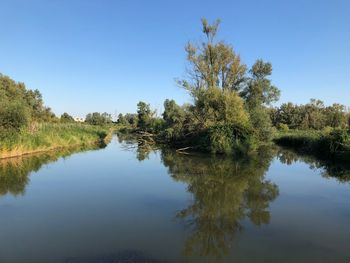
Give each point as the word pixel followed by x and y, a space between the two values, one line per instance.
pixel 125 203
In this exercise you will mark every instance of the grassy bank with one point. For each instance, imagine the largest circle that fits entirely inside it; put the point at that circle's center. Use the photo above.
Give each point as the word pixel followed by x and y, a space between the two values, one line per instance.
pixel 50 136
pixel 333 144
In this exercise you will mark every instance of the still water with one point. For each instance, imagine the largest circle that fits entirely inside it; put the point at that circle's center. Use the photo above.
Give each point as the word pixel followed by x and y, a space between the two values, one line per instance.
pixel 125 203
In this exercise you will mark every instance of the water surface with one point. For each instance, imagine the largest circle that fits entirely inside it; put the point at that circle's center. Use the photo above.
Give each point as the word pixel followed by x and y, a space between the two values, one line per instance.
pixel 125 203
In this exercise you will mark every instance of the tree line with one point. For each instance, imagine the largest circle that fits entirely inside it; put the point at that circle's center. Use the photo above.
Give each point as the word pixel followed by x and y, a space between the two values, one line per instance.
pixel 22 108
pixel 313 115
pixel 229 108
pixel 231 104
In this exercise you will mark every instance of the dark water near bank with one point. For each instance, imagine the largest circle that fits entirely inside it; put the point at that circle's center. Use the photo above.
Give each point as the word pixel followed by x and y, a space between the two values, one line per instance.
pixel 129 204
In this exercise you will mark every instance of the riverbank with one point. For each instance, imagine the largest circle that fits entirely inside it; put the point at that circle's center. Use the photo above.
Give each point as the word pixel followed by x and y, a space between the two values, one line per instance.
pixel 331 145
pixel 52 136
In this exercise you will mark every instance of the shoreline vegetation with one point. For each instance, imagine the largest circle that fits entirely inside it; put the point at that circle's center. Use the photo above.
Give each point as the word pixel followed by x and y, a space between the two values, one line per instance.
pixel 231 113
pixel 54 136
pixel 27 126
pixel 331 145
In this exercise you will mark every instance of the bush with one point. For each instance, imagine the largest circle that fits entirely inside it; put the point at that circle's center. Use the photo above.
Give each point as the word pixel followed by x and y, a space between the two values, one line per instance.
pixel 261 123
pixel 228 138
pixel 13 117
pixel 338 140
pixel 283 127
pixel 156 125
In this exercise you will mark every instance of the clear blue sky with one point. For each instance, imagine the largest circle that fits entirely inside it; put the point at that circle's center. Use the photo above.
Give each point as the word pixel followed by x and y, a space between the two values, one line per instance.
pixel 104 55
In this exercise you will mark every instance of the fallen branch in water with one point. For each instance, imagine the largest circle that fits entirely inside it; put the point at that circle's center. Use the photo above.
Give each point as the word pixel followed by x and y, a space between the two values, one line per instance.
pixel 183 150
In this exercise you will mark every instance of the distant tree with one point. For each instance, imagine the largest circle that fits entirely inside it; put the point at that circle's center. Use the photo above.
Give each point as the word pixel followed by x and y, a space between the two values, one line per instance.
pixel 336 115
pixel 288 114
pixel 65 117
pixel 132 119
pixel 121 119
pixel 313 115
pixel 145 115
pixel 173 114
pixel 97 118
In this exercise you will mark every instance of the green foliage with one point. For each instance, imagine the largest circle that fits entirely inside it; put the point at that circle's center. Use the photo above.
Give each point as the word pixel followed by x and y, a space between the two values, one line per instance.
pixel 156 125
pixel 213 64
pixel 20 107
pixel 328 144
pixel 283 127
pixel 337 141
pixel 173 114
pixel 97 118
pixel 259 90
pixel 128 119
pixel 261 123
pixel 229 139
pixel 213 106
pixel 52 135
pixel 65 117
pixel 216 80
pixel 314 115
pixel 16 92
pixel 13 117
pixel 145 116
pixel 177 120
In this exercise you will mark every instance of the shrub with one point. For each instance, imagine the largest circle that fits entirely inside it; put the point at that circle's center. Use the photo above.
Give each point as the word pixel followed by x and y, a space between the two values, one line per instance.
pixel 283 127
pixel 13 117
pixel 338 140
pixel 228 138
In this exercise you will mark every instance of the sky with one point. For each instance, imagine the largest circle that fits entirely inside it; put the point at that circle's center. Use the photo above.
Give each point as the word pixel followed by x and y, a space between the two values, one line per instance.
pixel 105 56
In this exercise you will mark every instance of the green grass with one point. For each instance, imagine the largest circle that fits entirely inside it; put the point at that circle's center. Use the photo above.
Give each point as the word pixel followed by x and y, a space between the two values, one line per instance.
pixel 48 136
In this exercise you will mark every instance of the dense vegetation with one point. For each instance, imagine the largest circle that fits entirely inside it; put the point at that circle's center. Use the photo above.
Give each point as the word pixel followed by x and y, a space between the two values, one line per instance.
pixel 229 111
pixel 314 128
pixel 329 144
pixel 27 125
pixel 20 107
pixel 314 115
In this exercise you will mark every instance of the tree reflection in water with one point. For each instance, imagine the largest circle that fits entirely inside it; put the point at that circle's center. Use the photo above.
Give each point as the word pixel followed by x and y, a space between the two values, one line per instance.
pixel 14 172
pixel 330 169
pixel 225 191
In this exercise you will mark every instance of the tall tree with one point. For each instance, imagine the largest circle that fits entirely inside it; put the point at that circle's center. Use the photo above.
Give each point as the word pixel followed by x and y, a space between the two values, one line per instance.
pixel 213 64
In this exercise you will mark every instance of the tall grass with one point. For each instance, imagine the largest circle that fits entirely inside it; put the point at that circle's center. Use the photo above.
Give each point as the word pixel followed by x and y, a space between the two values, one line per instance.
pixel 327 144
pixel 48 136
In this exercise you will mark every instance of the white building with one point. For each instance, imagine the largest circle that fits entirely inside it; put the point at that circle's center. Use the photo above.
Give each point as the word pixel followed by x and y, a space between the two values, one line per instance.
pixel 78 119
